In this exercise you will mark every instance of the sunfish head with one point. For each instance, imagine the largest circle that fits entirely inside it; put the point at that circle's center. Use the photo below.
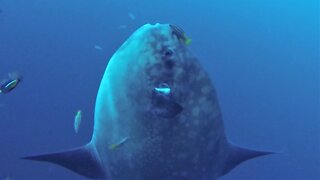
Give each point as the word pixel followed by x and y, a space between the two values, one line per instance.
pixel 153 56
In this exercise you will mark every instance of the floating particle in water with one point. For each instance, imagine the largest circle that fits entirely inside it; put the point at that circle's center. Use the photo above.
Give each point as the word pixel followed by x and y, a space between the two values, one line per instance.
pixel 97 47
pixel 123 26
pixel 131 16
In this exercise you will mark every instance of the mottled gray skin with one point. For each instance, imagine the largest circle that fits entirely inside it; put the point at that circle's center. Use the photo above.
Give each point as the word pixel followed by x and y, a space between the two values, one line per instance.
pixel 192 145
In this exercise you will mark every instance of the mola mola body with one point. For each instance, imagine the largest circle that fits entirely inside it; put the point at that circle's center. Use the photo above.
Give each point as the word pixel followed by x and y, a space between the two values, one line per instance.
pixel 157 116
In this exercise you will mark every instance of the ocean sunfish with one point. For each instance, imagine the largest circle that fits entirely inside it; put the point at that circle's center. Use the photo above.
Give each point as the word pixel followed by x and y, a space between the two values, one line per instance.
pixel 156 117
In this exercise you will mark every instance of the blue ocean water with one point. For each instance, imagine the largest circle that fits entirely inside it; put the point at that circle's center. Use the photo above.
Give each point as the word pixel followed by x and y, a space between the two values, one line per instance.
pixel 263 57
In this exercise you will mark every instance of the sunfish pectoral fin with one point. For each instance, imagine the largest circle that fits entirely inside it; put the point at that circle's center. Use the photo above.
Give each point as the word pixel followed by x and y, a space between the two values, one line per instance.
pixel 172 109
pixel 238 155
pixel 166 108
pixel 81 160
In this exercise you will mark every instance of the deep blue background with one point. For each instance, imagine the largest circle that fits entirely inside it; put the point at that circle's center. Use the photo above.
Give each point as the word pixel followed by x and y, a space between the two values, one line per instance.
pixel 263 56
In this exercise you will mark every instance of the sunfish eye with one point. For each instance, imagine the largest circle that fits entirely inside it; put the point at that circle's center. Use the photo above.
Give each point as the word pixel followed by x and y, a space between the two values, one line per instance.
pixel 163 89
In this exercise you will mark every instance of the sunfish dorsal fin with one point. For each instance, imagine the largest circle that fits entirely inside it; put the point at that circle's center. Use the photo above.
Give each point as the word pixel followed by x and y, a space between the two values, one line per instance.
pixel 81 160
pixel 238 155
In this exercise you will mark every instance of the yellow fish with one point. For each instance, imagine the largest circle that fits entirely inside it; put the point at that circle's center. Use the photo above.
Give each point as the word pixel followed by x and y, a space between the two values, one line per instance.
pixel 116 145
pixel 181 35
pixel 187 40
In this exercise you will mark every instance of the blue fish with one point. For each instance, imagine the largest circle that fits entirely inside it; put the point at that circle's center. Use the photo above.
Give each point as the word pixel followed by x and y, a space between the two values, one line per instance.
pixel 157 116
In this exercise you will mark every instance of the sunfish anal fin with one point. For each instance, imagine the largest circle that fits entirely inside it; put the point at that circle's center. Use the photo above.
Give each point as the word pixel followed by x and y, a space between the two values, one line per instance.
pixel 81 160
pixel 238 155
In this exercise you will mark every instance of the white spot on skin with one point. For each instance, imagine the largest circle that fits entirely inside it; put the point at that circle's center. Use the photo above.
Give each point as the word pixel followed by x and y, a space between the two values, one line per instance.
pixel 207 107
pixel 179 71
pixel 182 156
pixel 175 174
pixel 200 75
pixel 151 39
pixel 204 169
pixel 195 160
pixel 175 129
pixel 203 139
pixel 184 174
pixel 205 89
pixel 211 144
pixel 192 134
pixel 202 100
pixel 154 72
pixel 196 122
pixel 195 111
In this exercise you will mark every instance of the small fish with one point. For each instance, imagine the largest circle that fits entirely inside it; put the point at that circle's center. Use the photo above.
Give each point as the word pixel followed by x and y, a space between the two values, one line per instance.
pixel 181 35
pixel 10 83
pixel 77 120
pixel 132 16
pixel 97 47
pixel 117 145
